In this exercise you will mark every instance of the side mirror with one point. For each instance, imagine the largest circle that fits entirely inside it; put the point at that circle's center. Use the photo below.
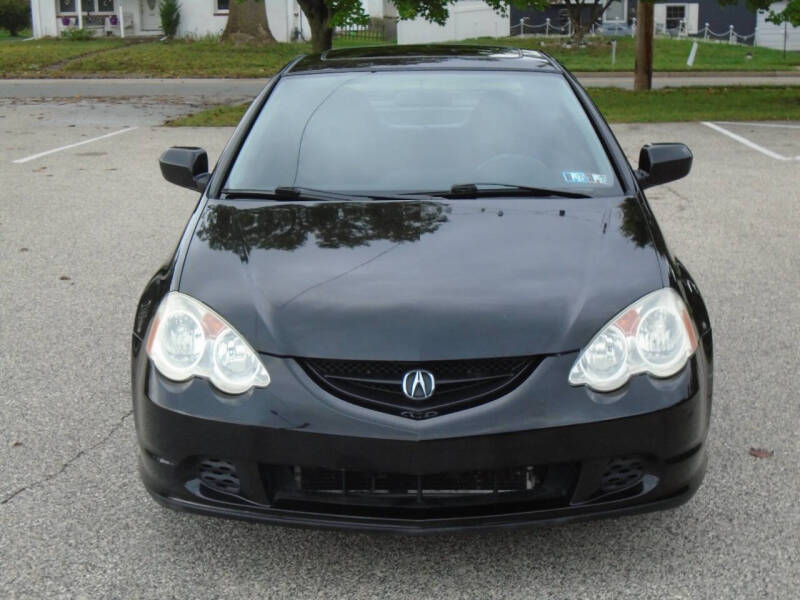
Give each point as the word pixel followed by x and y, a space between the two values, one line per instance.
pixel 186 167
pixel 662 163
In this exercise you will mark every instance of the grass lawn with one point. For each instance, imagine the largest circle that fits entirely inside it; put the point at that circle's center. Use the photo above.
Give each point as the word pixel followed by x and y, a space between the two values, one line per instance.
pixel 210 58
pixel 179 58
pixel 668 54
pixel 624 106
pixel 219 116
pixel 35 58
pixel 6 37
pixel 183 58
pixel 699 104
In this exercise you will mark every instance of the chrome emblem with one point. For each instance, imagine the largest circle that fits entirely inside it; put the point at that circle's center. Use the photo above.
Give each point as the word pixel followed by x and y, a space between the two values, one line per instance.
pixel 418 384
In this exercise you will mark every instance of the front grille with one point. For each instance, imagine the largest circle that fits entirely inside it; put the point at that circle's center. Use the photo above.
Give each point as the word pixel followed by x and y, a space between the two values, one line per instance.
pixel 459 384
pixel 400 495
pixel 325 481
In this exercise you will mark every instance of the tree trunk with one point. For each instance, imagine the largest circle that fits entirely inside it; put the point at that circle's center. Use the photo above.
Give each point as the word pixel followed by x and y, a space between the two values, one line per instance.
pixel 321 37
pixel 574 11
pixel 247 23
pixel 643 76
pixel 319 19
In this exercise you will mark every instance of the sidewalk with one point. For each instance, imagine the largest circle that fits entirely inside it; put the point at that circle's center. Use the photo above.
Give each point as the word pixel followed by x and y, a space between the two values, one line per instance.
pixel 215 91
pixel 697 74
pixel 693 78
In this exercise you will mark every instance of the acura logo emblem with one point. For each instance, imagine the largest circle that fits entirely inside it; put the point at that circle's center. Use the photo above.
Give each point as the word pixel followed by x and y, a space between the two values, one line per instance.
pixel 418 384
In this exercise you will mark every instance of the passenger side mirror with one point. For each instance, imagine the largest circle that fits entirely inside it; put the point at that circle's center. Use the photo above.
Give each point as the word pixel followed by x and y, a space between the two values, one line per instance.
pixel 186 167
pixel 662 163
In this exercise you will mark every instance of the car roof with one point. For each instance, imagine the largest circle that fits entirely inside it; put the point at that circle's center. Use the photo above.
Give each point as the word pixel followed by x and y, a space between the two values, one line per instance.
pixel 425 56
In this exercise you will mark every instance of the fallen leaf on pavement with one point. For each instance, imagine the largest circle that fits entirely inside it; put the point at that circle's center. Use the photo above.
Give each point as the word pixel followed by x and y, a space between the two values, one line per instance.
pixel 761 453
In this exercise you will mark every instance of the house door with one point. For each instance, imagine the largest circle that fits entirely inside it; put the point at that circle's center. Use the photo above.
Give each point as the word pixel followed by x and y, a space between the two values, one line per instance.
pixel 151 20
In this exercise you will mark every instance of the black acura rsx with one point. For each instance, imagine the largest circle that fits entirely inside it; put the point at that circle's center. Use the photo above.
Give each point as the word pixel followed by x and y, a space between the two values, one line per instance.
pixel 422 291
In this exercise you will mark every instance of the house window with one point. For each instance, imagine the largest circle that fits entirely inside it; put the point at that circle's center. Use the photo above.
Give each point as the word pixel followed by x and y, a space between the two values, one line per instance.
pixel 87 6
pixel 675 14
pixel 615 11
pixel 222 6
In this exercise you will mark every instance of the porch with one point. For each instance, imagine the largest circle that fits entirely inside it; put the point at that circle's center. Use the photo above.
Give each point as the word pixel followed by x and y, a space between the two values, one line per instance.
pixel 101 17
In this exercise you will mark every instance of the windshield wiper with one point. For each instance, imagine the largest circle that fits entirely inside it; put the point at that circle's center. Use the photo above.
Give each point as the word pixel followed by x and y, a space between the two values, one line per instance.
pixel 483 190
pixel 288 193
pixel 285 193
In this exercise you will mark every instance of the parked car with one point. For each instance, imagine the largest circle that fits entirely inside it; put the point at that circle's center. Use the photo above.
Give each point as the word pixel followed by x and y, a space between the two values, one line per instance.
pixel 422 291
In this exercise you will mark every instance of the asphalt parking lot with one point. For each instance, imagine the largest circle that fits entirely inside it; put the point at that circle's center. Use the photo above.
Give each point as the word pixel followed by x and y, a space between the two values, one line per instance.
pixel 81 231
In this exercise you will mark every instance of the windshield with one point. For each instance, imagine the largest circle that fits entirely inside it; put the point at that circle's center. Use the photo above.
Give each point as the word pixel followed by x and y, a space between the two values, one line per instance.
pixel 423 131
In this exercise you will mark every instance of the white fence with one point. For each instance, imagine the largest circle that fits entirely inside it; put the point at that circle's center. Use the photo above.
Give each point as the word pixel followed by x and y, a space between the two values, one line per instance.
pixel 548 29
pixel 706 33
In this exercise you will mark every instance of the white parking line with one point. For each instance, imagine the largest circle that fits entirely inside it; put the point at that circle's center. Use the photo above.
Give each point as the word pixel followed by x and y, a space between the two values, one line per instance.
pixel 19 161
pixel 746 142
pixel 778 125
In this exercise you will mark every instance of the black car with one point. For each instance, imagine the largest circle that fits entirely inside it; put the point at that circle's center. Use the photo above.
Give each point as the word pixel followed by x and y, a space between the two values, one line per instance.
pixel 422 291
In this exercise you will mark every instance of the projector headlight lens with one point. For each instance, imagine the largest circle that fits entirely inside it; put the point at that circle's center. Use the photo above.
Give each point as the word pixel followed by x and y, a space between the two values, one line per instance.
pixel 654 335
pixel 187 339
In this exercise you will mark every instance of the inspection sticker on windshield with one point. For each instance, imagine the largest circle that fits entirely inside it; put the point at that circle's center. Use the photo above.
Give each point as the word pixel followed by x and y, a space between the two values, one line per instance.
pixel 575 177
pixel 581 177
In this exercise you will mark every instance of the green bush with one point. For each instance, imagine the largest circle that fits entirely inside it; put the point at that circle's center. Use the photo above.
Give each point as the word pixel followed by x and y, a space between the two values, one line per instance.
pixel 15 15
pixel 77 35
pixel 170 17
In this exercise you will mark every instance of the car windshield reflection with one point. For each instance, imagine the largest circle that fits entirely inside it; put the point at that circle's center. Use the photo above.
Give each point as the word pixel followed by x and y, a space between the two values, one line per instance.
pixel 395 131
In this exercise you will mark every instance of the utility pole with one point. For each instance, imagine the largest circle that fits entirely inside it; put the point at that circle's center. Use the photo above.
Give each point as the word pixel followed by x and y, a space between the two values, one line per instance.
pixel 643 77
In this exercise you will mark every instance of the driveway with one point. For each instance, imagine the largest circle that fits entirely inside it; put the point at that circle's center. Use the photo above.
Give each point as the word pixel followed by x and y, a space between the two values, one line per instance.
pixel 84 227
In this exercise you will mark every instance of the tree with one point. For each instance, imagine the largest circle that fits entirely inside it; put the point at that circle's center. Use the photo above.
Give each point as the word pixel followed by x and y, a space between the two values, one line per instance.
pixel 247 23
pixel 170 13
pixel 643 69
pixel 575 10
pixel 790 14
pixel 324 15
pixel 15 15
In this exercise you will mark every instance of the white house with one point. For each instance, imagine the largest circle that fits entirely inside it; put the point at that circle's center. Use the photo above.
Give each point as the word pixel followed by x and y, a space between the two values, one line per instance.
pixel 775 36
pixel 141 17
pixel 468 19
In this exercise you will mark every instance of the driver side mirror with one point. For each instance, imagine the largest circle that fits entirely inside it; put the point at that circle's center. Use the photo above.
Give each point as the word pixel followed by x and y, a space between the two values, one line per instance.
pixel 186 167
pixel 662 163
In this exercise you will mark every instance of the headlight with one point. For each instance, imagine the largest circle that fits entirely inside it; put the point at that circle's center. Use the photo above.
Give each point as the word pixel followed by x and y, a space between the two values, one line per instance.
pixel 654 335
pixel 188 339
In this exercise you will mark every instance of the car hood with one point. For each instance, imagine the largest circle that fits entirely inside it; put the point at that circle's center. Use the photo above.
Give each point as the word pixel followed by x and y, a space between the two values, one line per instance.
pixel 421 280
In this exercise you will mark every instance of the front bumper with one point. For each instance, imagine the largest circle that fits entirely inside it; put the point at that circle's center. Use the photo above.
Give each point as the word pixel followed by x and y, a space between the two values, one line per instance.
pixel 572 469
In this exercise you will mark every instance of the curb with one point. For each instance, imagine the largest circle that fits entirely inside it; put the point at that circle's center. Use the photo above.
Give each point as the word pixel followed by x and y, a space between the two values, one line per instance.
pixel 668 74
